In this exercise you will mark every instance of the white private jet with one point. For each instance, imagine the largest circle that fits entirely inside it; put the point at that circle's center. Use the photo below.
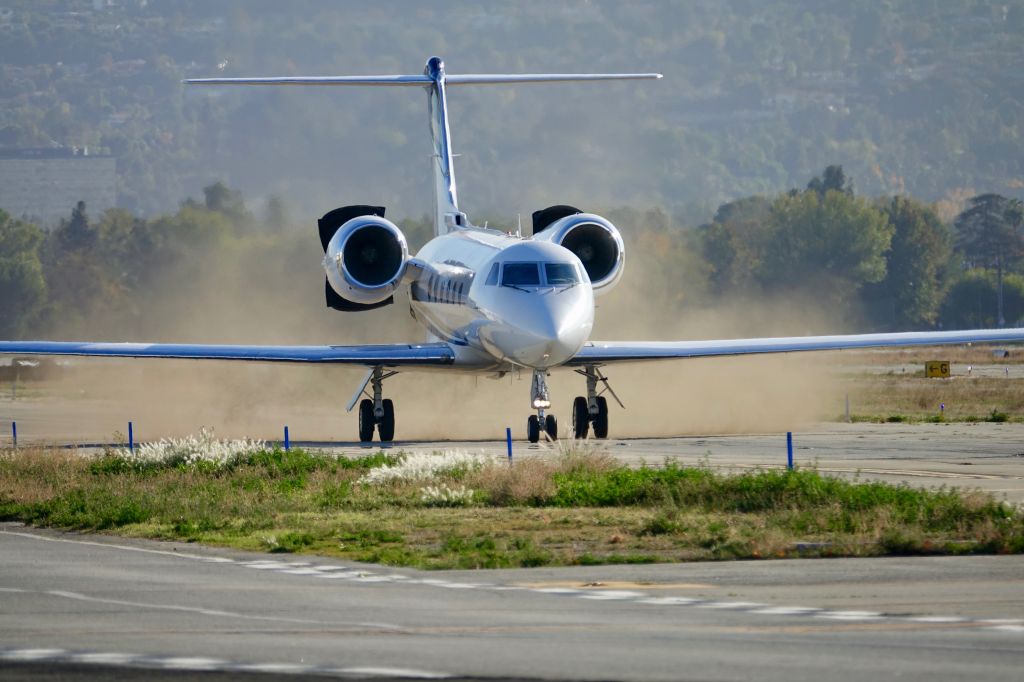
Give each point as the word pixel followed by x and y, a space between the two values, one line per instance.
pixel 492 301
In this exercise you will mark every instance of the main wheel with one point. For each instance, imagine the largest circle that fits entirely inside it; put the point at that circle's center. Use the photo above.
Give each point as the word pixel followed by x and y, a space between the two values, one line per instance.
pixel 366 420
pixel 386 425
pixel 580 417
pixel 533 429
pixel 551 426
pixel 601 418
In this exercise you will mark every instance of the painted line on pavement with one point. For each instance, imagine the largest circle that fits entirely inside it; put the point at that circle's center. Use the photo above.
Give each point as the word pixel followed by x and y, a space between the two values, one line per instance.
pixel 203 664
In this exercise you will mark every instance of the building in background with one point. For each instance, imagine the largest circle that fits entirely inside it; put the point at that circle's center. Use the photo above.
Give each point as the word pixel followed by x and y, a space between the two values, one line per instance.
pixel 43 185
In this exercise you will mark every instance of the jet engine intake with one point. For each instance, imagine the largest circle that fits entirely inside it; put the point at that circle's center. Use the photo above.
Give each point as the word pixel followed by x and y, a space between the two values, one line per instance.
pixel 365 261
pixel 595 241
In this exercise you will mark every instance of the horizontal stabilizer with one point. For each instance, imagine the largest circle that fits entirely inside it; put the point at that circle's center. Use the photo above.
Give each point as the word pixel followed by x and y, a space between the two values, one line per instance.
pixel 465 79
pixel 495 79
pixel 316 80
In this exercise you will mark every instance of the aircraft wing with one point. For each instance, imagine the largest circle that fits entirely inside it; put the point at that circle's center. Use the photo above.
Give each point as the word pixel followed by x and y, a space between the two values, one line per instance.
pixel 600 352
pixel 390 355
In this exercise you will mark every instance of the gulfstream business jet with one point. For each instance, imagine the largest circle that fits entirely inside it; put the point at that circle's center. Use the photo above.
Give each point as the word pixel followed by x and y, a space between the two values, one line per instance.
pixel 491 301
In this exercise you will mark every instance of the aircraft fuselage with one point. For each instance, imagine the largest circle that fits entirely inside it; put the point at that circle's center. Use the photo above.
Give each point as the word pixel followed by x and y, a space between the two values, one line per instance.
pixel 511 302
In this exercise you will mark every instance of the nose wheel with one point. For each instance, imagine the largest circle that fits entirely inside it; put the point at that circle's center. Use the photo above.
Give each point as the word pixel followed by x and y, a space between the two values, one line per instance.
pixel 540 400
pixel 533 428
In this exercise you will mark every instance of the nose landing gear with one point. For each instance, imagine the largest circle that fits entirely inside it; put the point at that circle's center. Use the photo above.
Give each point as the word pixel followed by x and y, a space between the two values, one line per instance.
pixel 540 400
pixel 594 408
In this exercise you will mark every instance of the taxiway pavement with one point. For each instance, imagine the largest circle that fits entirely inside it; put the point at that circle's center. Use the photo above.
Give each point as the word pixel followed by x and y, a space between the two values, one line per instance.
pixel 90 600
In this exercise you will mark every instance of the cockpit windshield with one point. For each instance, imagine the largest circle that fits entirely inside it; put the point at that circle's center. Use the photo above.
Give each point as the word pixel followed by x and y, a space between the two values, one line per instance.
pixel 520 275
pixel 559 274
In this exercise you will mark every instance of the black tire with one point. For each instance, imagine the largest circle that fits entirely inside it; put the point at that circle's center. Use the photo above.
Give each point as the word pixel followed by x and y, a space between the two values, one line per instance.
pixel 366 420
pixel 386 425
pixel 551 426
pixel 533 429
pixel 580 417
pixel 601 419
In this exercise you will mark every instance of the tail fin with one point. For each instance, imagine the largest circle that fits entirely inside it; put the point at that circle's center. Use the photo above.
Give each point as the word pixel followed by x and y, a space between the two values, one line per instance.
pixel 447 215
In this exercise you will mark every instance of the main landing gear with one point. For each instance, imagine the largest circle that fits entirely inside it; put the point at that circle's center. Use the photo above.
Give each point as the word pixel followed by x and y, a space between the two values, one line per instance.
pixel 591 410
pixel 377 412
pixel 594 408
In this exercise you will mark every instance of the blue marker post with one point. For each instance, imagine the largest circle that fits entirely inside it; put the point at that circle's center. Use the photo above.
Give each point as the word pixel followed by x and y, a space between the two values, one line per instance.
pixel 131 439
pixel 14 433
pixel 287 443
pixel 508 439
pixel 789 450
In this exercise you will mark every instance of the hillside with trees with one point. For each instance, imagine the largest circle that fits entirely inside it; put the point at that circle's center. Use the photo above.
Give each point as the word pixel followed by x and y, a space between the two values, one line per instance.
pixel 864 157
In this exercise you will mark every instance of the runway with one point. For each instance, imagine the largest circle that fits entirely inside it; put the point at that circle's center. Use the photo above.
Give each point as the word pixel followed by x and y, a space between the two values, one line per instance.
pixel 123 605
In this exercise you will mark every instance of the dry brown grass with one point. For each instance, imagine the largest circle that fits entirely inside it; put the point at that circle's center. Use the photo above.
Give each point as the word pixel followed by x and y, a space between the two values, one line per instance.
pixel 918 397
pixel 529 480
pixel 968 355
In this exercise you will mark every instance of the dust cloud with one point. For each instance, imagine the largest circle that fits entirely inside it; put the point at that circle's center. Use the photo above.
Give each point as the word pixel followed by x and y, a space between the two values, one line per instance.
pixel 270 295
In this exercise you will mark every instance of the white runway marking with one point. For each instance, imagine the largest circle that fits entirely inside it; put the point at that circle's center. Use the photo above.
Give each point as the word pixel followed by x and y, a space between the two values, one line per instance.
pixel 787 610
pixel 612 595
pixel 671 601
pixel 937 619
pixel 192 663
pixel 199 663
pixel 394 672
pixel 104 658
pixel 849 615
pixel 32 654
pixel 173 607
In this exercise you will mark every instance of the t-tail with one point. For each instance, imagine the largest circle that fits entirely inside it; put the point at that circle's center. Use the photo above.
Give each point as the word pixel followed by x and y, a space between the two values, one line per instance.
pixel 435 80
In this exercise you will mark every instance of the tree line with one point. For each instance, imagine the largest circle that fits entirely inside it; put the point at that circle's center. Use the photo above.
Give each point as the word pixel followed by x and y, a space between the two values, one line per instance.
pixel 214 266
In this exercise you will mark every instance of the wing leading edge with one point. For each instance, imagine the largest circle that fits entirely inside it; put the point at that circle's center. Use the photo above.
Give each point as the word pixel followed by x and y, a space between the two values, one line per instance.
pixel 634 351
pixel 427 354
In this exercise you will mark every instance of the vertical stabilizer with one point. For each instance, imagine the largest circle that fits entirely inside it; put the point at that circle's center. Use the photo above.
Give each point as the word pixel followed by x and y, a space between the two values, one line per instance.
pixel 446 200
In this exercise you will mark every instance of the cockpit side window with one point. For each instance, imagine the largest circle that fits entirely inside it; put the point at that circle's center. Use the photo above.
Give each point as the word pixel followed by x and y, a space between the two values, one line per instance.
pixel 559 274
pixel 492 276
pixel 521 275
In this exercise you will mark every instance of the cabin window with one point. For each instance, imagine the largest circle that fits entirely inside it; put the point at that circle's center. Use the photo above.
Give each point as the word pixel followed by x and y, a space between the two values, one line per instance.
pixel 560 273
pixel 492 276
pixel 520 275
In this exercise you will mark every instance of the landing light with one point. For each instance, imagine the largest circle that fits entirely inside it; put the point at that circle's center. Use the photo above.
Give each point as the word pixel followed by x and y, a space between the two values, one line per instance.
pixel 538 403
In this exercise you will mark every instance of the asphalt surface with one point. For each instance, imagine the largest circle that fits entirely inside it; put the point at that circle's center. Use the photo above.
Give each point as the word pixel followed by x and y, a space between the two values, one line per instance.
pixel 73 606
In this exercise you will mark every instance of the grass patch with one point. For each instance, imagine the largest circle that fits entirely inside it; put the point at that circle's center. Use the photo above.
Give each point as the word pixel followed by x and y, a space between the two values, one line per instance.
pixel 901 398
pixel 578 507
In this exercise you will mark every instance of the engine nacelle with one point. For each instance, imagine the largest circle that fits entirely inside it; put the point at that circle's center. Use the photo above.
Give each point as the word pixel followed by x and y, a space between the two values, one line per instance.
pixel 366 259
pixel 595 241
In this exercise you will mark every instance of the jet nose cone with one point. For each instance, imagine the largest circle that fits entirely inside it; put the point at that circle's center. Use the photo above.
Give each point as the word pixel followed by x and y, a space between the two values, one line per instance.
pixel 553 328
